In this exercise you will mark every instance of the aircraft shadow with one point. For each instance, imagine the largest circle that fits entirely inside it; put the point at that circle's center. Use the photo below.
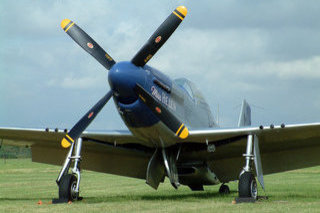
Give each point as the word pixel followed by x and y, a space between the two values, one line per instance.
pixel 24 198
pixel 119 198
pixel 155 197
pixel 135 197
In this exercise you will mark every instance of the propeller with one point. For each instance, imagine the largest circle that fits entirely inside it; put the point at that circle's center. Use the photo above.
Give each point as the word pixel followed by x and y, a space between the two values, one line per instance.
pixel 159 37
pixel 87 43
pixel 84 122
pixel 168 118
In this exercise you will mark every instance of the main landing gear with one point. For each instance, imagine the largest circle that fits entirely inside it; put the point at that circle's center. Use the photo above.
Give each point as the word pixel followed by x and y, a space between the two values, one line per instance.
pixel 247 186
pixel 69 183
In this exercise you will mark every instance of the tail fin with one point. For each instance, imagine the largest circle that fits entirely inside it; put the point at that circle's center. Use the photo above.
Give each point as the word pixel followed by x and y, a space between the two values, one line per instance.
pixel 245 115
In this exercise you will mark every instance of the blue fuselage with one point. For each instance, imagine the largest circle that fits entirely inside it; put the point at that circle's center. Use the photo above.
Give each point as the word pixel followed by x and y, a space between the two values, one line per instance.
pixel 179 96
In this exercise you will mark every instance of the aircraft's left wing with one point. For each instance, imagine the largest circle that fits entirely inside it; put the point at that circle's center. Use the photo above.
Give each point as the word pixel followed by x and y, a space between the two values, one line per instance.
pixel 282 148
pixel 115 152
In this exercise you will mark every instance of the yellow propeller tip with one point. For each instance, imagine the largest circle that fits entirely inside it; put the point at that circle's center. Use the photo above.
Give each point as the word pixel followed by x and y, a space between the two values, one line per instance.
pixel 65 22
pixel 183 10
pixel 65 143
pixel 184 134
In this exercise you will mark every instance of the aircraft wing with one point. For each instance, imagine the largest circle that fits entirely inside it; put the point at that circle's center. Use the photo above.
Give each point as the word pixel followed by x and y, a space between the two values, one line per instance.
pixel 115 152
pixel 282 148
pixel 121 153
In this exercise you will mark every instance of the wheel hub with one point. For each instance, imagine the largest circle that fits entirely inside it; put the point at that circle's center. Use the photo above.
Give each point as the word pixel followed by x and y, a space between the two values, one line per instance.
pixel 253 189
pixel 73 192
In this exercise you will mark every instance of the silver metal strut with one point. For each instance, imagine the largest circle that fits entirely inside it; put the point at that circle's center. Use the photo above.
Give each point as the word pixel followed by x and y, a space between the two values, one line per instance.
pixel 76 165
pixel 169 161
pixel 253 155
pixel 249 155
pixel 66 165
pixel 74 155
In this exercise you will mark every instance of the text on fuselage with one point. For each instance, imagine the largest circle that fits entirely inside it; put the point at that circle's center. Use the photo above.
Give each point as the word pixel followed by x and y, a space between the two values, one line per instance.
pixel 163 98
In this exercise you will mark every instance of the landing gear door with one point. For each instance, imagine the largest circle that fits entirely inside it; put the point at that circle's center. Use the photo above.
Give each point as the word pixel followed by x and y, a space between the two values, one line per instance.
pixel 257 161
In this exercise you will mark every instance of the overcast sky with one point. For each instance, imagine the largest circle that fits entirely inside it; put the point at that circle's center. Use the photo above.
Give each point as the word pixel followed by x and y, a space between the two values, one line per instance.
pixel 267 52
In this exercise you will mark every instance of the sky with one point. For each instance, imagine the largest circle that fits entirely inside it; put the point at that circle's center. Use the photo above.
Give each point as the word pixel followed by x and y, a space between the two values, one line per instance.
pixel 267 52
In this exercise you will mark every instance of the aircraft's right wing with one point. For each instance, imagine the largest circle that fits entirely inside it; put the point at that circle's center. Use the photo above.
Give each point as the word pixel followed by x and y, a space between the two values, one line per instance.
pixel 282 148
pixel 114 152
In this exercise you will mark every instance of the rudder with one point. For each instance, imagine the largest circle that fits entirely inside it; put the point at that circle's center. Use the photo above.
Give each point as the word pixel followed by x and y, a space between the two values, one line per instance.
pixel 245 114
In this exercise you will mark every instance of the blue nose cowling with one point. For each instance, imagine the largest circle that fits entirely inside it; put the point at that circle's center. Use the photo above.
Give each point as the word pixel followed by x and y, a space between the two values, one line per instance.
pixel 123 77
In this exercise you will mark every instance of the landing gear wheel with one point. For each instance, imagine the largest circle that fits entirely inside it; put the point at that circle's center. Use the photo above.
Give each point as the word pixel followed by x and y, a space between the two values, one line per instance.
pixel 67 188
pixel 248 186
pixel 224 189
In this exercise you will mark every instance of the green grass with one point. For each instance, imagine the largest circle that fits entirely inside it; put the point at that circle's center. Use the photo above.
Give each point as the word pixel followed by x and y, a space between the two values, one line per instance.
pixel 23 184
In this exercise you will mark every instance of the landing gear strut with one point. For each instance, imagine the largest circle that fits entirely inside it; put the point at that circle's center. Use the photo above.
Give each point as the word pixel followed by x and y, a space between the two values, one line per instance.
pixel 169 161
pixel 247 182
pixel 69 183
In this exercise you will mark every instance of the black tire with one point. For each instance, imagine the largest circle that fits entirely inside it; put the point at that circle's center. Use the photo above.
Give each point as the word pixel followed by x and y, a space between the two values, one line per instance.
pixel 224 189
pixel 247 186
pixel 66 187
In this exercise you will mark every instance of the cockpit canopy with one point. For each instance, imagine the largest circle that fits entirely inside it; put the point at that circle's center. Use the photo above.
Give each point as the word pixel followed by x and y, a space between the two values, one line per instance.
pixel 190 89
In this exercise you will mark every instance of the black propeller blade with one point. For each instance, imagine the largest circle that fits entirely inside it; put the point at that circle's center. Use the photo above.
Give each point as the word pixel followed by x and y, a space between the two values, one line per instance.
pixel 162 113
pixel 84 122
pixel 87 43
pixel 160 36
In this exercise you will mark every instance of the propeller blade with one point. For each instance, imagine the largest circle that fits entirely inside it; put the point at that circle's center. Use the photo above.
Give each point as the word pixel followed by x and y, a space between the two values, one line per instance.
pixel 160 36
pixel 169 119
pixel 87 43
pixel 84 122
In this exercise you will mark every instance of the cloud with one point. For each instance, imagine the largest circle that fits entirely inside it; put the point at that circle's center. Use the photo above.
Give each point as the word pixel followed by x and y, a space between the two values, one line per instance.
pixel 267 52
pixel 308 69
pixel 75 83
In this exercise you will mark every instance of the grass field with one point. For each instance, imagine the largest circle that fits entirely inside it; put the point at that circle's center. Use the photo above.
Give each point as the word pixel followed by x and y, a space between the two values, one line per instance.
pixel 23 184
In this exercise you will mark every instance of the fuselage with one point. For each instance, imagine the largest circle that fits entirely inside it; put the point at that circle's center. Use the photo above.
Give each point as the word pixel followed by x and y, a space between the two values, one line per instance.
pixel 179 96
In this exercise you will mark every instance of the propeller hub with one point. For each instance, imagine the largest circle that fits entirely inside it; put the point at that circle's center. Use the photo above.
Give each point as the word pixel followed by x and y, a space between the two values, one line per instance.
pixel 123 77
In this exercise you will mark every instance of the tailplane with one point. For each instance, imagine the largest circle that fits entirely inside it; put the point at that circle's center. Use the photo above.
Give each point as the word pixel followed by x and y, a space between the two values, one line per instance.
pixel 245 114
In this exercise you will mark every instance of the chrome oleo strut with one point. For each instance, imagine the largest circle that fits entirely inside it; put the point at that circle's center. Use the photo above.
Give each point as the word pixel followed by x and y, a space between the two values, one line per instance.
pixel 74 155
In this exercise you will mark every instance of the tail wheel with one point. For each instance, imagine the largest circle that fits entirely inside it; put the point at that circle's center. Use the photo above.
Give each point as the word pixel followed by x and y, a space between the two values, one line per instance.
pixel 248 186
pixel 224 189
pixel 67 187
